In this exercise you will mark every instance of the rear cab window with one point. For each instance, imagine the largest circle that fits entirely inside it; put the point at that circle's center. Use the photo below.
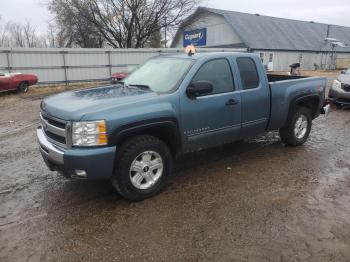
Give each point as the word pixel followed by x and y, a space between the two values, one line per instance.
pixel 248 72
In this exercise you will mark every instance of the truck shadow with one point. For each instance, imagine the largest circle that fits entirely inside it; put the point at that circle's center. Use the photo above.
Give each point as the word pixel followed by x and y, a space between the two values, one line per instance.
pixel 217 154
pixel 187 168
pixel 72 193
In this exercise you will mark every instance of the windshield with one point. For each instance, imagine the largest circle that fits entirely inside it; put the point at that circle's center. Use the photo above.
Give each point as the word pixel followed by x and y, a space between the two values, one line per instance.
pixel 347 72
pixel 161 74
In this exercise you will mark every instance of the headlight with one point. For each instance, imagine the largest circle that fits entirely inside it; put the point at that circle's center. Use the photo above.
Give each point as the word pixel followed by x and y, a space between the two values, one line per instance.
pixel 337 84
pixel 89 133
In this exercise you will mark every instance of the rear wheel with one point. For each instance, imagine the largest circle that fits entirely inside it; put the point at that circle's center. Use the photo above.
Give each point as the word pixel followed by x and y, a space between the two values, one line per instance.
pixel 143 166
pixel 298 128
pixel 23 87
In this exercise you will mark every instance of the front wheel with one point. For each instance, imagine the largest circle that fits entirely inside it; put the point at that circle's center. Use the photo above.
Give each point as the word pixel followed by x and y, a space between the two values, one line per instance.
pixel 23 87
pixel 298 128
pixel 144 164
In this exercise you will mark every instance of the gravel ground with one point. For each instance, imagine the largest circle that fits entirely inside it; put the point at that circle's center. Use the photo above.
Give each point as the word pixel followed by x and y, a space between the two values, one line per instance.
pixel 255 200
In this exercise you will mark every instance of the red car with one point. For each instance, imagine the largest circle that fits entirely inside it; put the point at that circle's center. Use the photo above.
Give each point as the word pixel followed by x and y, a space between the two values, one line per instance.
pixel 118 76
pixel 16 81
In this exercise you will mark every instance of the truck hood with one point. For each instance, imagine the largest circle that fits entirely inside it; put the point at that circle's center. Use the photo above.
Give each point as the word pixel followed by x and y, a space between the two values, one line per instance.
pixel 344 78
pixel 74 105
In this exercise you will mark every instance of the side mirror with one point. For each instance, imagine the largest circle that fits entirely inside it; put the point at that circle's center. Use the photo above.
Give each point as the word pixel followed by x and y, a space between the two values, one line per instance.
pixel 199 88
pixel 343 71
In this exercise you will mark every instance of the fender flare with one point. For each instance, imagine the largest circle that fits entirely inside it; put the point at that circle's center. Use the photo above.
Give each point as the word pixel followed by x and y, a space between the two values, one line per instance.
pixel 167 126
pixel 300 98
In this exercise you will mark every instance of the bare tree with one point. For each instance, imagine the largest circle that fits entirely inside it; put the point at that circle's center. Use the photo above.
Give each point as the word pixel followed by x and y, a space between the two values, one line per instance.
pixel 29 35
pixel 51 36
pixel 155 40
pixel 4 40
pixel 118 23
pixel 18 35
pixel 72 29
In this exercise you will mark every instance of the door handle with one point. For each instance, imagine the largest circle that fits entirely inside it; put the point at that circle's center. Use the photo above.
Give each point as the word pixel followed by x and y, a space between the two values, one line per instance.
pixel 231 102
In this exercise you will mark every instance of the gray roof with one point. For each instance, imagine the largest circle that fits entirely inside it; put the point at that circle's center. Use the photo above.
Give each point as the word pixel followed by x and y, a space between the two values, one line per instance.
pixel 272 33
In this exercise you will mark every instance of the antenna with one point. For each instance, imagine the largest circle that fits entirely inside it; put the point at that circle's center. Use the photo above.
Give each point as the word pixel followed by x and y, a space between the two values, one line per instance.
pixel 330 39
pixel 337 43
pixel 334 43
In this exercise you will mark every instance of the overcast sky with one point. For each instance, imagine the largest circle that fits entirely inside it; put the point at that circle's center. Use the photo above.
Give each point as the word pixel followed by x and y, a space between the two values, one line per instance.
pixel 330 11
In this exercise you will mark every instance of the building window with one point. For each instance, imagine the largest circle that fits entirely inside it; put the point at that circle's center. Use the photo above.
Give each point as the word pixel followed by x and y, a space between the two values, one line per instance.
pixel 300 58
pixel 262 57
pixel 271 58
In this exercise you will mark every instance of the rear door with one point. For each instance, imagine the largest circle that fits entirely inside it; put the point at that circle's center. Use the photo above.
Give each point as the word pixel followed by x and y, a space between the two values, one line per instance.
pixel 215 118
pixel 255 96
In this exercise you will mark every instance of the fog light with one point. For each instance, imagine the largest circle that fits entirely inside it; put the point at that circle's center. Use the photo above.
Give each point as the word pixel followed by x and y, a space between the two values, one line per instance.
pixel 80 173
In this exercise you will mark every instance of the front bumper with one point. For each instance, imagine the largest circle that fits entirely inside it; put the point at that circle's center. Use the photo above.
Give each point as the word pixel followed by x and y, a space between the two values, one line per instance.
pixel 98 163
pixel 339 96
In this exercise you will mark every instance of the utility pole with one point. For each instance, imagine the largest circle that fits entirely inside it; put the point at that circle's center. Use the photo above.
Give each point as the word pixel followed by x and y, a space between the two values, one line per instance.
pixel 165 27
pixel 324 53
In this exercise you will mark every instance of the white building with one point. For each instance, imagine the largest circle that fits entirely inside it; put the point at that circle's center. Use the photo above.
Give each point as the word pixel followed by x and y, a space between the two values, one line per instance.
pixel 279 42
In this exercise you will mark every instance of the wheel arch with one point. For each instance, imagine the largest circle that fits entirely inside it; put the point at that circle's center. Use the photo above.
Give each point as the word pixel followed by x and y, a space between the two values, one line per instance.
pixel 312 102
pixel 23 81
pixel 166 129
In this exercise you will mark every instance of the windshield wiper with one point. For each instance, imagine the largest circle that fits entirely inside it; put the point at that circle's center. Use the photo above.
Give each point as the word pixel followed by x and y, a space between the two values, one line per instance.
pixel 140 86
pixel 120 83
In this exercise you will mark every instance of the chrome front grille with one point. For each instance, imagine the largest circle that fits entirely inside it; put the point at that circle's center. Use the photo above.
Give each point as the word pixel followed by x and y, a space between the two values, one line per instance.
pixel 55 129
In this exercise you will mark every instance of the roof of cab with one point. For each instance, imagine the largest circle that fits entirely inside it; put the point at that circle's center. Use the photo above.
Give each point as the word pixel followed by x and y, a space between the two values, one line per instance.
pixel 209 55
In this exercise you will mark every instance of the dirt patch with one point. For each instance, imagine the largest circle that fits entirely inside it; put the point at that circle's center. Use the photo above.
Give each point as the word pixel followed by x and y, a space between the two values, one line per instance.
pixel 255 200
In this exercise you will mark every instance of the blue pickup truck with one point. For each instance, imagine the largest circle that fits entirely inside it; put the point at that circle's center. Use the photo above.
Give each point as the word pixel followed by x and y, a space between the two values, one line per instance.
pixel 131 132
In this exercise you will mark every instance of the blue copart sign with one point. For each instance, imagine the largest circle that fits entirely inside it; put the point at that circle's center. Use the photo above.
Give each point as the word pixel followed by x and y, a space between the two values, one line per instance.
pixel 196 37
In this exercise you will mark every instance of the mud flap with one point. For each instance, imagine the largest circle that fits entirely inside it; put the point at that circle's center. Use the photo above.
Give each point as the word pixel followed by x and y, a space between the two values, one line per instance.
pixel 325 109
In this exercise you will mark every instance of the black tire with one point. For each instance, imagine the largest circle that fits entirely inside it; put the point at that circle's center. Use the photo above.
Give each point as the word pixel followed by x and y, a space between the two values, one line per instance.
pixel 127 154
pixel 23 87
pixel 288 134
pixel 338 106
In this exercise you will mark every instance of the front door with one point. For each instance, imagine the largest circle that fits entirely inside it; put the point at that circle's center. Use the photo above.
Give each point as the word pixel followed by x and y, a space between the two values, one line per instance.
pixel 215 118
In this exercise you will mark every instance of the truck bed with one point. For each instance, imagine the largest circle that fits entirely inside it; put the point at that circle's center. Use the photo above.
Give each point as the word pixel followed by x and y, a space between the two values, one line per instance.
pixel 276 78
pixel 285 88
